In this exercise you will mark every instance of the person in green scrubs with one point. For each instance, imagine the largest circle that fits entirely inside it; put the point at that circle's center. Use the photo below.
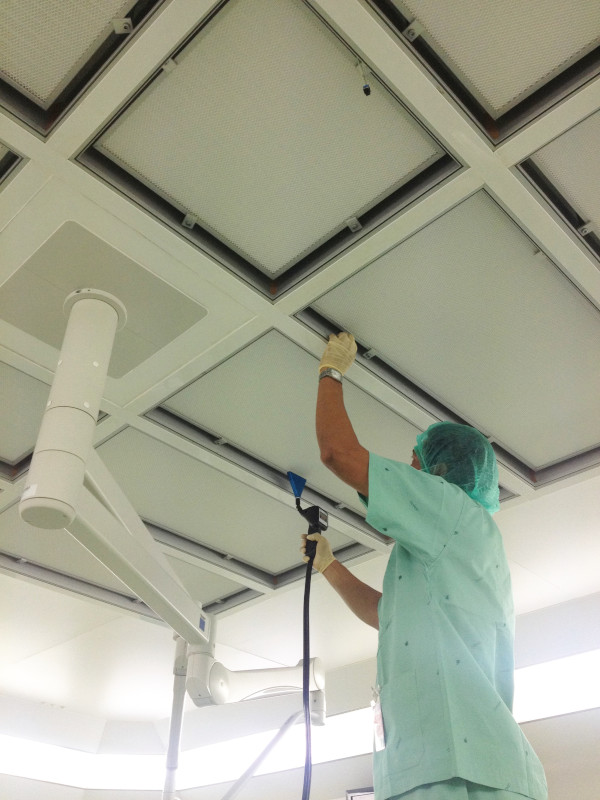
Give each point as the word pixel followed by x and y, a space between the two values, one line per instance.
pixel 444 726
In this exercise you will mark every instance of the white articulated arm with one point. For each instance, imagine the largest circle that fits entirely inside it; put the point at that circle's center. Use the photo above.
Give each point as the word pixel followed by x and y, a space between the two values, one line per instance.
pixel 209 682
pixel 69 487
pixel 65 439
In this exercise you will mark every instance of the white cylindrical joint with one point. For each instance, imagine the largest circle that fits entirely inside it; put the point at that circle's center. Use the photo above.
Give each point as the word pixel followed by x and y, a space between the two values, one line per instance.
pixel 66 435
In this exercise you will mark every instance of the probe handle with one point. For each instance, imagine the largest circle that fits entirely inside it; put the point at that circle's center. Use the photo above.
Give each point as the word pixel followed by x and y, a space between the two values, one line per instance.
pixel 318 521
pixel 311 546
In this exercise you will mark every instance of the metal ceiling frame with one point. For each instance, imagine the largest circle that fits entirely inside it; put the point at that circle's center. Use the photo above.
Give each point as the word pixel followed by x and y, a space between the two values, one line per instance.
pixel 497 129
pixel 376 363
pixel 561 205
pixel 43 120
pixel 50 171
pixel 178 219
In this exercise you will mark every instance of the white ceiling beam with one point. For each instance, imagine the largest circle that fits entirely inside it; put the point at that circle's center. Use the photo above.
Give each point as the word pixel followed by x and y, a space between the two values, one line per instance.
pixel 419 214
pixel 553 123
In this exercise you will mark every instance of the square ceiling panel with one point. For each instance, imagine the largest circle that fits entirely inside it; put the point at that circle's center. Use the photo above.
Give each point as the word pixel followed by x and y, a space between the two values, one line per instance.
pixel 570 175
pixel 272 417
pixel 23 400
pixel 50 50
pixel 272 148
pixel 504 53
pixel 184 495
pixel 467 309
pixel 73 258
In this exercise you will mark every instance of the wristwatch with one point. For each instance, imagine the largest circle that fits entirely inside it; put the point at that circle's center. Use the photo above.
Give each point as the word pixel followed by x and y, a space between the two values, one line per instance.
pixel 329 372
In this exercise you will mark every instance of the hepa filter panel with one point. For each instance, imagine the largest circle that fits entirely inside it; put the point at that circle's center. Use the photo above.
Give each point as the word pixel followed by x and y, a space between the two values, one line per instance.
pixel 502 52
pixel 570 163
pixel 44 44
pixel 471 312
pixel 73 258
pixel 273 417
pixel 260 130
pixel 182 494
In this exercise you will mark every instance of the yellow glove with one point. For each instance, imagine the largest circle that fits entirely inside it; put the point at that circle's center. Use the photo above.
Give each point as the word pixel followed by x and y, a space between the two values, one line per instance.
pixel 324 555
pixel 339 353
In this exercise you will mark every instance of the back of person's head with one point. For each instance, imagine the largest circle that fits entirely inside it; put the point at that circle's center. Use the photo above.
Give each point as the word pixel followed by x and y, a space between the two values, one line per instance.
pixel 463 456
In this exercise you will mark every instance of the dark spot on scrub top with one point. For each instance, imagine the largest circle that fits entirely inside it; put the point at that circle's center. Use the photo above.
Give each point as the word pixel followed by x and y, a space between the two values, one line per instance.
pixel 405 644
pixel 399 577
pixel 465 740
pixel 458 660
pixel 387 469
pixel 384 530
pixel 414 506
pixel 447 597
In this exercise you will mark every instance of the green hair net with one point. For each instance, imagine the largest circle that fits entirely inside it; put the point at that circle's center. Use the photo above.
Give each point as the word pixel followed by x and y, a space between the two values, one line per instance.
pixel 463 456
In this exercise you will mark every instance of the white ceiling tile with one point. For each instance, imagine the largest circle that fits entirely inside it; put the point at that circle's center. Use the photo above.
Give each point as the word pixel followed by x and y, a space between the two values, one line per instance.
pixel 73 258
pixel 473 313
pixel 571 164
pixel 202 585
pixel 186 496
pixel 45 44
pixel 263 399
pixel 244 133
pixel 502 52
pixel 23 399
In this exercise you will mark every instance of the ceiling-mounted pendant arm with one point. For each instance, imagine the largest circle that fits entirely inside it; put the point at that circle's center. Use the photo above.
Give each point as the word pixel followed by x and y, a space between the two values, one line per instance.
pixel 210 683
pixel 65 439
pixel 139 568
pixel 62 492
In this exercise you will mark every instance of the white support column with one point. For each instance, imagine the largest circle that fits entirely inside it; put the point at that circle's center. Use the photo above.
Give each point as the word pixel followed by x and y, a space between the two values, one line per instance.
pixel 65 440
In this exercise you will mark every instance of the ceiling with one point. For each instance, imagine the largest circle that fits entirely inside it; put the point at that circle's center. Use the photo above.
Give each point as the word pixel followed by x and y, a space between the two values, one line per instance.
pixel 247 177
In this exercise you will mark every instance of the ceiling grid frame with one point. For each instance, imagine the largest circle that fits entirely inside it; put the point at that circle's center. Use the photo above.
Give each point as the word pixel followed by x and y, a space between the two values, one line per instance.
pixel 48 169
pixel 408 79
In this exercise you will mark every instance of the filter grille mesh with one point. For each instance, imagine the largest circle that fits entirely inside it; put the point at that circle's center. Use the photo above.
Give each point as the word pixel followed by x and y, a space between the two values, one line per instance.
pixel 44 43
pixel 270 140
pixel 503 51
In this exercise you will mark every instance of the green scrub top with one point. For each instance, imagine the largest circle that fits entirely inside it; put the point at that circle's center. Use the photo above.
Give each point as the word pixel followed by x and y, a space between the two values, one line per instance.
pixel 446 627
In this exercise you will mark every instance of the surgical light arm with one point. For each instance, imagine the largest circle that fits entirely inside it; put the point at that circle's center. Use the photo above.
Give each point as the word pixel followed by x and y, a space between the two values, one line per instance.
pixel 69 487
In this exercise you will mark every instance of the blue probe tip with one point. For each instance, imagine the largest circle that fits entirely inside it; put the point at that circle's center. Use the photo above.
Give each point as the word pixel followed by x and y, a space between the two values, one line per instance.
pixel 297 483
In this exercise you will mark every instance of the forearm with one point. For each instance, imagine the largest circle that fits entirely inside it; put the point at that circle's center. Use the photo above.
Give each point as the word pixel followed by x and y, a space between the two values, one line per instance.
pixel 360 598
pixel 339 447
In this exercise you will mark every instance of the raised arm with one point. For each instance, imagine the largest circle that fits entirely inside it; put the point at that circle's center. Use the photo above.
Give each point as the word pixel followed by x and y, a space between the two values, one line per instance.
pixel 340 449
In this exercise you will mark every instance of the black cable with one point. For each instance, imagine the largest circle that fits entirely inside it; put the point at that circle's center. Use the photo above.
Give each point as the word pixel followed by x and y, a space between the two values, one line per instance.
pixel 306 682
